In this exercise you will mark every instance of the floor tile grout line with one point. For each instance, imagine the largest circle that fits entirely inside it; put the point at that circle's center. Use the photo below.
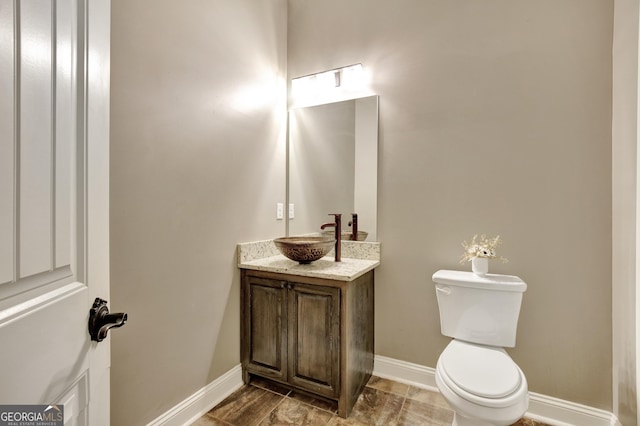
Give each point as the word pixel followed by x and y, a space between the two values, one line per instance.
pixel 404 400
pixel 270 411
pixel 219 419
pixel 260 397
pixel 269 390
pixel 312 406
pixel 288 396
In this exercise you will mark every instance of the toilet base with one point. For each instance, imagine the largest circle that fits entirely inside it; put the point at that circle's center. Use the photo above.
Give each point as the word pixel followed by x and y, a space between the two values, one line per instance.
pixel 459 420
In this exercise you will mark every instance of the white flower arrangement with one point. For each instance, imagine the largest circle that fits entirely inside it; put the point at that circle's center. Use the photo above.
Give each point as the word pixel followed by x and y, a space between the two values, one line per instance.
pixel 483 247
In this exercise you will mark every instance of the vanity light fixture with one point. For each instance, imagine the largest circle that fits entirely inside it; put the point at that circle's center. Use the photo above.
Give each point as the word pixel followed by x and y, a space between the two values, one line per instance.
pixel 328 83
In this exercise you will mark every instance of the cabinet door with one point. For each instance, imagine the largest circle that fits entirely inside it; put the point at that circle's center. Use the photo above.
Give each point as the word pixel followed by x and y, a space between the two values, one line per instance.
pixel 314 338
pixel 265 327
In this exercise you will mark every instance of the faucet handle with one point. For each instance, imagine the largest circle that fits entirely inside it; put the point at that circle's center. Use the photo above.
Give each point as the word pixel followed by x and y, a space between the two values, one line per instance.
pixel 338 217
pixel 338 229
pixel 354 227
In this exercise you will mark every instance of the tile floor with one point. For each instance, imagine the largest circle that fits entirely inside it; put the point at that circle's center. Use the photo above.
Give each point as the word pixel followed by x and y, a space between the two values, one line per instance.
pixel 382 402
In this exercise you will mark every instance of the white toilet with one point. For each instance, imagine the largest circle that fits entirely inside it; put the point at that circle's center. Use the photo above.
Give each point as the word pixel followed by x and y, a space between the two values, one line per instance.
pixel 474 373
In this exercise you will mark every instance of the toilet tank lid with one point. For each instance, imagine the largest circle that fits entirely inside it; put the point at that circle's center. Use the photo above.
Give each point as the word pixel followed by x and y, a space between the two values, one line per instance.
pixel 469 279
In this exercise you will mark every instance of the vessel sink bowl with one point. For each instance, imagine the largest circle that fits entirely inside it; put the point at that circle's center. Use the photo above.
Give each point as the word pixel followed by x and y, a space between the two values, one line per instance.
pixel 346 235
pixel 304 249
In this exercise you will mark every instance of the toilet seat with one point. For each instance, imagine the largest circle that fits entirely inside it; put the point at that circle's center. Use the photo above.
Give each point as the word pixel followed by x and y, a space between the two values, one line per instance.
pixel 482 375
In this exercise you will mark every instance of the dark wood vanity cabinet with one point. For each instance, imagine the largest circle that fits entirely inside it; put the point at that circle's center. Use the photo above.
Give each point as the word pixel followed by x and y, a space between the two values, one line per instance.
pixel 294 333
pixel 311 334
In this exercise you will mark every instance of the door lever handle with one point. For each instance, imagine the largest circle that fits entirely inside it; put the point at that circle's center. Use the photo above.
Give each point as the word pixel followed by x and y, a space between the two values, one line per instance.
pixel 101 321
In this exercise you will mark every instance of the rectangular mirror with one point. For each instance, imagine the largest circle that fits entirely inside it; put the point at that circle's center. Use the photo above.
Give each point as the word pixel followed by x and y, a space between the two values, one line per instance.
pixel 333 165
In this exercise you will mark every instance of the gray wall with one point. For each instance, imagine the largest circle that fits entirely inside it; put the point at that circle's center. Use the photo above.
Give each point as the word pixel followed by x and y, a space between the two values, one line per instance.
pixel 197 165
pixel 495 118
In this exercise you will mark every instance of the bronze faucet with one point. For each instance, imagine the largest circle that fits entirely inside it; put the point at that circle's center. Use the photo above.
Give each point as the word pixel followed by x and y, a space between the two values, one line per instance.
pixel 338 232
pixel 354 226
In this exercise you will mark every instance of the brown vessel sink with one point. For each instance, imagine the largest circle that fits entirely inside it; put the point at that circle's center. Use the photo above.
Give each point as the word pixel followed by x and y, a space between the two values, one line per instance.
pixel 304 249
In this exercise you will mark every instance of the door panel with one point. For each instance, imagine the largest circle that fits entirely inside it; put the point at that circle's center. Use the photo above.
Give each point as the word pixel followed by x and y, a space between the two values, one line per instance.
pixel 35 141
pixel 45 343
pixel 38 130
pixel 76 401
pixel 63 134
pixel 54 203
pixel 267 328
pixel 314 327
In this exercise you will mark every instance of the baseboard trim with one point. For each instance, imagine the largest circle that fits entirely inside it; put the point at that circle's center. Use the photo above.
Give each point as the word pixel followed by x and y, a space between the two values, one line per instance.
pixel 203 400
pixel 405 372
pixel 547 409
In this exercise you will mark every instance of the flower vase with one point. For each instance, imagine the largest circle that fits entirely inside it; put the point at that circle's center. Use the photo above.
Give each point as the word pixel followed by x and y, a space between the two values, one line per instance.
pixel 480 266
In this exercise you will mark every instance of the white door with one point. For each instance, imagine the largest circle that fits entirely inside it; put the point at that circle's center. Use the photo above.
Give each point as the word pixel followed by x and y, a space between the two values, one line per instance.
pixel 54 205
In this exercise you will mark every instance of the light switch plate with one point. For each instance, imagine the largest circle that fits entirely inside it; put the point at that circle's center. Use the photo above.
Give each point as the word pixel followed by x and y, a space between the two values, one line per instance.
pixel 279 211
pixel 291 211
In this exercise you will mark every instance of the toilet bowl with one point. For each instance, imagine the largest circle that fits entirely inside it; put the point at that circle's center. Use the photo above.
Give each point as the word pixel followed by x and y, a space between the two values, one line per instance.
pixel 482 385
pixel 476 376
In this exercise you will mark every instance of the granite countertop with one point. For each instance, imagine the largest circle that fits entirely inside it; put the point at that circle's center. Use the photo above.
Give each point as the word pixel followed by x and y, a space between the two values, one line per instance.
pixel 357 259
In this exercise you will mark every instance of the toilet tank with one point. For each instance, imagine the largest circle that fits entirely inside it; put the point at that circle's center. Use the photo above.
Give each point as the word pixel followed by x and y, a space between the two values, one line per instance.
pixel 479 309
